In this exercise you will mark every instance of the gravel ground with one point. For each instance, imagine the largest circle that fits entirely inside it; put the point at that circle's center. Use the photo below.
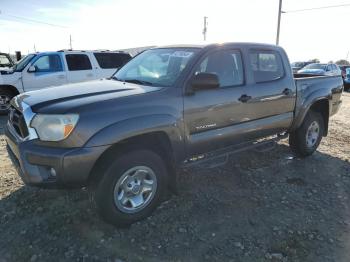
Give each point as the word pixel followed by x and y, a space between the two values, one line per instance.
pixel 258 207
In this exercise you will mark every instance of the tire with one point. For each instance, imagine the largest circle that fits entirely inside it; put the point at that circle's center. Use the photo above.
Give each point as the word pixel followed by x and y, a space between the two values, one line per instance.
pixel 304 143
pixel 5 98
pixel 116 183
pixel 347 87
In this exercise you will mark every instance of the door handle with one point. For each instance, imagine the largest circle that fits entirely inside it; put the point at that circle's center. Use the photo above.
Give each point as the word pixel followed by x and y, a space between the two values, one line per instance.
pixel 287 91
pixel 244 98
pixel 89 75
pixel 60 76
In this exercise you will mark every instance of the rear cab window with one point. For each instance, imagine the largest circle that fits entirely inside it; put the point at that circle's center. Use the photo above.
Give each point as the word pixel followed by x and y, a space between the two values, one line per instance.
pixel 78 62
pixel 111 60
pixel 266 65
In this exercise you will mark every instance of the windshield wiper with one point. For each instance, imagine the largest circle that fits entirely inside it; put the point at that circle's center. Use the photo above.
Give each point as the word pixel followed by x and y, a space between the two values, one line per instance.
pixel 134 81
pixel 137 81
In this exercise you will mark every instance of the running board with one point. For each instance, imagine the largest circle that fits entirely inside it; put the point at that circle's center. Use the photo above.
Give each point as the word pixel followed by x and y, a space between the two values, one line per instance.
pixel 220 157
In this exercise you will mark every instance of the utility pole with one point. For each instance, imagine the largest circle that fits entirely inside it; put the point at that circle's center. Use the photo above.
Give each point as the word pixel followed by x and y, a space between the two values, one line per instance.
pixel 70 42
pixel 34 49
pixel 205 28
pixel 279 22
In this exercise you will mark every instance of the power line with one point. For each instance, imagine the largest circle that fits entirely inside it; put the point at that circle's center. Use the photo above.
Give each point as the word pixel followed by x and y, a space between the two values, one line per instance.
pixel 315 8
pixel 31 20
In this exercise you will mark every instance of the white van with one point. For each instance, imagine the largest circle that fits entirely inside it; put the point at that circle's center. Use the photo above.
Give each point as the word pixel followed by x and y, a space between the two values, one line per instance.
pixel 40 70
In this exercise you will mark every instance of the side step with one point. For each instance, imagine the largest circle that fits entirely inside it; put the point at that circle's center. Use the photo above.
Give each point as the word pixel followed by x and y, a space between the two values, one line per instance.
pixel 220 157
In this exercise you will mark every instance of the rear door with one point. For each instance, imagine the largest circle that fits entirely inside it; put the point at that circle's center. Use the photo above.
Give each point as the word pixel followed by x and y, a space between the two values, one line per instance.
pixel 212 117
pixel 79 68
pixel 49 71
pixel 272 92
pixel 108 63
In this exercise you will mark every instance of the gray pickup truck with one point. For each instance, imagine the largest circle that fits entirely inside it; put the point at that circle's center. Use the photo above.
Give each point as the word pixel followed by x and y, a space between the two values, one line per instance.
pixel 168 108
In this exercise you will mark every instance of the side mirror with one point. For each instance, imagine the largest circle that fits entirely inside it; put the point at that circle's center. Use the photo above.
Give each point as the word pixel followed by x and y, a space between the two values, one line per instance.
pixel 32 69
pixel 204 81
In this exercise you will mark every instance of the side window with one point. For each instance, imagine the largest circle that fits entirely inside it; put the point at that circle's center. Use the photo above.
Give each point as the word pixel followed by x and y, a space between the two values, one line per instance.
pixel 77 62
pixel 111 60
pixel 48 63
pixel 266 65
pixel 227 65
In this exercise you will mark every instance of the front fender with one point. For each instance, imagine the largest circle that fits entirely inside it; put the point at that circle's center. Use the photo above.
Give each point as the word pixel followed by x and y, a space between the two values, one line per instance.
pixel 129 128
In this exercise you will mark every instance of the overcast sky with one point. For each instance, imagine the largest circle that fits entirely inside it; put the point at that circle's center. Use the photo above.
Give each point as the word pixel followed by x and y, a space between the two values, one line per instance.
pixel 116 24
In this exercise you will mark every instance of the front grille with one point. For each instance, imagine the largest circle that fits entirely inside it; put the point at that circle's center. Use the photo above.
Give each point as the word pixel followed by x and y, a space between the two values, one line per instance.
pixel 18 122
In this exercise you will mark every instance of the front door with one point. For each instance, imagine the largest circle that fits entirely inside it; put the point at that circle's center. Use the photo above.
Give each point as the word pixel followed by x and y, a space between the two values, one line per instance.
pixel 48 72
pixel 212 117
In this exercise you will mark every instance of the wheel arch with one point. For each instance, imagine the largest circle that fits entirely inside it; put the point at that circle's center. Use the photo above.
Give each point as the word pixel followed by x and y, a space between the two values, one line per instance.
pixel 317 101
pixel 156 141
pixel 10 88
pixel 322 106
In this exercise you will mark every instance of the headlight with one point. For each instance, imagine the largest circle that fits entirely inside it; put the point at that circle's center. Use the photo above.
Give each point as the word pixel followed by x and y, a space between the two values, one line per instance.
pixel 54 127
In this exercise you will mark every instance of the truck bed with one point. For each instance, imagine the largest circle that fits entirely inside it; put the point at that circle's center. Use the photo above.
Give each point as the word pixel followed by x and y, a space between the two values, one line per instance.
pixel 310 87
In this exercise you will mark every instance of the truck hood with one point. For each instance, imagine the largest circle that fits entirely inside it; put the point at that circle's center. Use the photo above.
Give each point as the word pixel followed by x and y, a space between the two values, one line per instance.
pixel 312 71
pixel 64 98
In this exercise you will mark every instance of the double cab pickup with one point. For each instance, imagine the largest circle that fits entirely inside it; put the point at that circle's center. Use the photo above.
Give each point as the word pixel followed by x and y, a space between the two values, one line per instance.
pixel 170 107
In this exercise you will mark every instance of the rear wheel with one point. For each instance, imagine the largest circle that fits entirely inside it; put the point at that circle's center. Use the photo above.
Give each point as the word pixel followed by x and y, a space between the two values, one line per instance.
pixel 305 140
pixel 131 188
pixel 5 98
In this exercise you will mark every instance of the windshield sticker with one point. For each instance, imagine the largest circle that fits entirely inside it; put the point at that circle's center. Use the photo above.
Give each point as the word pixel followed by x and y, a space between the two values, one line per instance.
pixel 182 54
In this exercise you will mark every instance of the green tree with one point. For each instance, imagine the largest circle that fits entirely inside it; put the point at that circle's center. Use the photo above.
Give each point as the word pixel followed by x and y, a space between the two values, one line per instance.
pixel 342 62
pixel 315 60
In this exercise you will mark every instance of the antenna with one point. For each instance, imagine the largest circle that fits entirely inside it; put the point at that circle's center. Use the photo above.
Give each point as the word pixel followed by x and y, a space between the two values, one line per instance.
pixel 70 42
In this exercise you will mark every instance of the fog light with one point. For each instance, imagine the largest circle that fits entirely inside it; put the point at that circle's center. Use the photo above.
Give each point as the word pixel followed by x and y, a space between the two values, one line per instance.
pixel 52 171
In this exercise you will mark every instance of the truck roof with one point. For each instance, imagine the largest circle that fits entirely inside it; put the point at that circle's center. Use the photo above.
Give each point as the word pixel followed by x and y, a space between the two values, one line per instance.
pixel 79 51
pixel 250 44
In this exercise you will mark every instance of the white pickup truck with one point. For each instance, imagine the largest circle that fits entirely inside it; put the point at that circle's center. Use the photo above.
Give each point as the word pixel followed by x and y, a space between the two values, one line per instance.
pixel 40 70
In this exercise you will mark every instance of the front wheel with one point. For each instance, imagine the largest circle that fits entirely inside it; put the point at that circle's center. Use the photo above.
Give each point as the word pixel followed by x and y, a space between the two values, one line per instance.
pixel 305 140
pixel 131 188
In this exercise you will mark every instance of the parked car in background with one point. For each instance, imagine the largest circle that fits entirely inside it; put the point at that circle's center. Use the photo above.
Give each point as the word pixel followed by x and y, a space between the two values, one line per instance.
pixel 321 69
pixel 41 70
pixel 345 72
pixel 296 66
pixel 5 61
pixel 168 108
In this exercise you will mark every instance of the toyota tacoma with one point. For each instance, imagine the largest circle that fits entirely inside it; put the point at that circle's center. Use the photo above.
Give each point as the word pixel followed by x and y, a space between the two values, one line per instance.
pixel 172 107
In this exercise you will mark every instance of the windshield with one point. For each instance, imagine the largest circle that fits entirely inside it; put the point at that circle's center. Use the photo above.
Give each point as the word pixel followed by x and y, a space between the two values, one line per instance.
pixel 23 62
pixel 158 67
pixel 316 66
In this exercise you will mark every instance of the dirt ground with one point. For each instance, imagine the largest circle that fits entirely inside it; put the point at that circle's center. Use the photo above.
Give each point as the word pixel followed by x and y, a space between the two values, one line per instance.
pixel 258 207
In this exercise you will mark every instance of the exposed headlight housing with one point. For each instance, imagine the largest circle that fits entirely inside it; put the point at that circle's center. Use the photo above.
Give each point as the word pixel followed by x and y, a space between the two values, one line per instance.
pixel 54 127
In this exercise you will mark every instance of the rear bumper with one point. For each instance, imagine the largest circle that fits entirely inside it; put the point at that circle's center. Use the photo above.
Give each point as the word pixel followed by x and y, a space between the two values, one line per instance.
pixel 51 167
